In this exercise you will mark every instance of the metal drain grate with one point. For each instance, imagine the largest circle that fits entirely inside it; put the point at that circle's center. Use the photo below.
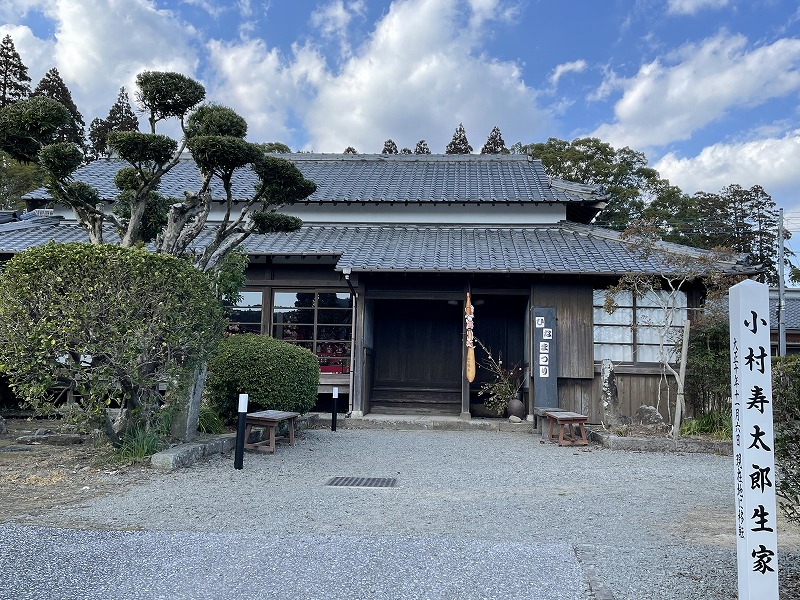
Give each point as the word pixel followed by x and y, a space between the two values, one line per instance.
pixel 368 482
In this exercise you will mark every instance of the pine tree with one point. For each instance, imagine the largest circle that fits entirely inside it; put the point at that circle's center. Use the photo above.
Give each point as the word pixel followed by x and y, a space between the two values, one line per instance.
pixel 494 143
pixel 53 87
pixel 389 147
pixel 459 143
pixel 120 118
pixel 406 151
pixel 350 150
pixel 422 148
pixel 14 77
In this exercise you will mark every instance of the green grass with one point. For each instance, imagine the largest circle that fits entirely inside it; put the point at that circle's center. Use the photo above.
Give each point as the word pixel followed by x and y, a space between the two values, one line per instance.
pixel 139 445
pixel 716 424
pixel 209 421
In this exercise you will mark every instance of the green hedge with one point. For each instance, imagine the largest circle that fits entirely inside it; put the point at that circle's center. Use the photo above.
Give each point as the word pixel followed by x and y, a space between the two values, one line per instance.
pixel 786 416
pixel 276 376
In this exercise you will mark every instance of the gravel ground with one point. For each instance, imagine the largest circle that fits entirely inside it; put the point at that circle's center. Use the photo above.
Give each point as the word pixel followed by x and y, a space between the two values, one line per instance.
pixel 475 514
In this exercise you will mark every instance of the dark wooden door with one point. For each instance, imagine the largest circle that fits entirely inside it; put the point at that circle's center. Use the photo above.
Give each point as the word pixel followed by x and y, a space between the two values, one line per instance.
pixel 418 356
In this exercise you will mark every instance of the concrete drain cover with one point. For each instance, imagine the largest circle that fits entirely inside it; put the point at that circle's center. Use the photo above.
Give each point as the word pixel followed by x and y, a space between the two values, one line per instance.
pixel 368 482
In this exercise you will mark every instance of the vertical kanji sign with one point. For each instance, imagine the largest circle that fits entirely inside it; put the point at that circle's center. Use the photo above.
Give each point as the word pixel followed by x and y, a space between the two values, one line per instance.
pixel 753 447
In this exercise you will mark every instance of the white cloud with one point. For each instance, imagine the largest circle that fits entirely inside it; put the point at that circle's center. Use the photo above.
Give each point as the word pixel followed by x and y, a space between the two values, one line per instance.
pixel 668 100
pixel 333 19
pixel 691 7
pixel 100 45
pixel 769 162
pixel 417 78
pixel 35 54
pixel 274 86
pixel 576 66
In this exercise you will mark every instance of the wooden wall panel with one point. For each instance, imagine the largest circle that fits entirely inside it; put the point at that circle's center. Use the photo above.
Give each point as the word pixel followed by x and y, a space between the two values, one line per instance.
pixel 573 302
pixel 635 390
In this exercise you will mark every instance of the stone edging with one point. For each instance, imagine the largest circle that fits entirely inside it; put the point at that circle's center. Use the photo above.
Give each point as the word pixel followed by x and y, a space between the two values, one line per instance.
pixel 659 444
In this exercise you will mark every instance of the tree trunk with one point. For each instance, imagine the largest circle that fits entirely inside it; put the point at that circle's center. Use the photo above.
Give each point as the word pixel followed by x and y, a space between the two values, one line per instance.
pixel 680 407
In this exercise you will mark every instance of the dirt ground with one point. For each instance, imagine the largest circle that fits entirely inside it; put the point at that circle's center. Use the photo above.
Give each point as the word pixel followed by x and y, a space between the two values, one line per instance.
pixel 34 477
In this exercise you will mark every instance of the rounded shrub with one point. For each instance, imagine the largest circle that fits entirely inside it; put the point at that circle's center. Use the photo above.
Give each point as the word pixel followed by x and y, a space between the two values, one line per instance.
pixel 276 375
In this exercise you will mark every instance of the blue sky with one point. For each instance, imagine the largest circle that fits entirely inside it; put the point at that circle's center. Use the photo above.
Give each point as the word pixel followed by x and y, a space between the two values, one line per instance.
pixel 707 89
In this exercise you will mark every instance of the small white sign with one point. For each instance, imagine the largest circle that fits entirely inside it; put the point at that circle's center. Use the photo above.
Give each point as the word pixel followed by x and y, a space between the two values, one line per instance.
pixel 753 443
pixel 547 333
pixel 544 371
pixel 544 347
pixel 544 359
pixel 539 322
pixel 243 398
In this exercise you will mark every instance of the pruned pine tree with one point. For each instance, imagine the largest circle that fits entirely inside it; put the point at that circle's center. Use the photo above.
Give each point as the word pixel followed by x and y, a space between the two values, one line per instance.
pixel 120 118
pixel 215 137
pixel 350 150
pixel 459 144
pixel 389 147
pixel 494 143
pixel 406 150
pixel 53 86
pixel 14 79
pixel 422 148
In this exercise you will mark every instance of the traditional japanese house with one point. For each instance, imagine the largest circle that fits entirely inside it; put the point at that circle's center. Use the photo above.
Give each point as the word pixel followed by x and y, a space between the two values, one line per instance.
pixel 376 280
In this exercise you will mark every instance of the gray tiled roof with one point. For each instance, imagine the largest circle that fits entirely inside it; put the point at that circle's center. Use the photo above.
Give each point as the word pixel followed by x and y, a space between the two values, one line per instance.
pixel 791 317
pixel 558 248
pixel 359 178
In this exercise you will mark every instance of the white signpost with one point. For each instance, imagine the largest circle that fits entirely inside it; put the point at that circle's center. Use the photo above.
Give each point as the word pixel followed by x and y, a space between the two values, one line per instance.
pixel 753 443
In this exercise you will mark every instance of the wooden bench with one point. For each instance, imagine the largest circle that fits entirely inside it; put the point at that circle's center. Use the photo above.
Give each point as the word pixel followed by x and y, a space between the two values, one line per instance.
pixel 269 420
pixel 539 418
pixel 565 421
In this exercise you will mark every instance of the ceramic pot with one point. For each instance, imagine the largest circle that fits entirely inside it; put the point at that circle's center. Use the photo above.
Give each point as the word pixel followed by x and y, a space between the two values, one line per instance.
pixel 516 408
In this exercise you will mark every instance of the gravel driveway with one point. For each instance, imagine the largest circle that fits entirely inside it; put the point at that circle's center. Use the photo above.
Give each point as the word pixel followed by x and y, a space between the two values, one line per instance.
pixel 475 514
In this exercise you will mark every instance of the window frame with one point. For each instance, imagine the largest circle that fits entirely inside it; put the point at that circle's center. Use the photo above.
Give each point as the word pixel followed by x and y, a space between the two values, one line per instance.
pixel 635 344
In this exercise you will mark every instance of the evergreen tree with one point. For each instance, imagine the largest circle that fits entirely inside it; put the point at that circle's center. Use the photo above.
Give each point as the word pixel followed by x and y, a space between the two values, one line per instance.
pixel 422 148
pixel 494 143
pixel 389 147
pixel 459 143
pixel 276 147
pixel 350 150
pixel 14 77
pixel 52 86
pixel 628 181
pixel 120 118
pixel 406 150
pixel 16 179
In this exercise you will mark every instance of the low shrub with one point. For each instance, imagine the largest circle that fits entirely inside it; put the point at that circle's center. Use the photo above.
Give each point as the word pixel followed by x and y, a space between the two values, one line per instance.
pixel 276 375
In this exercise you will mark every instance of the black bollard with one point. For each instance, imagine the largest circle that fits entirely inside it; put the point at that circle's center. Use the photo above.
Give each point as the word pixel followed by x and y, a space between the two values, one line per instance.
pixel 240 429
pixel 334 410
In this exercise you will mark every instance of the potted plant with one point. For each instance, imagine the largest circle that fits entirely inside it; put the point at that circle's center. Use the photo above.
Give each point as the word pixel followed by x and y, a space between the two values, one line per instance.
pixel 505 384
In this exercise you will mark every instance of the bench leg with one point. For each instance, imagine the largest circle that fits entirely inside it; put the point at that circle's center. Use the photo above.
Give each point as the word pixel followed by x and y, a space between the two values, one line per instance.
pixel 291 431
pixel 247 431
pixel 584 441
